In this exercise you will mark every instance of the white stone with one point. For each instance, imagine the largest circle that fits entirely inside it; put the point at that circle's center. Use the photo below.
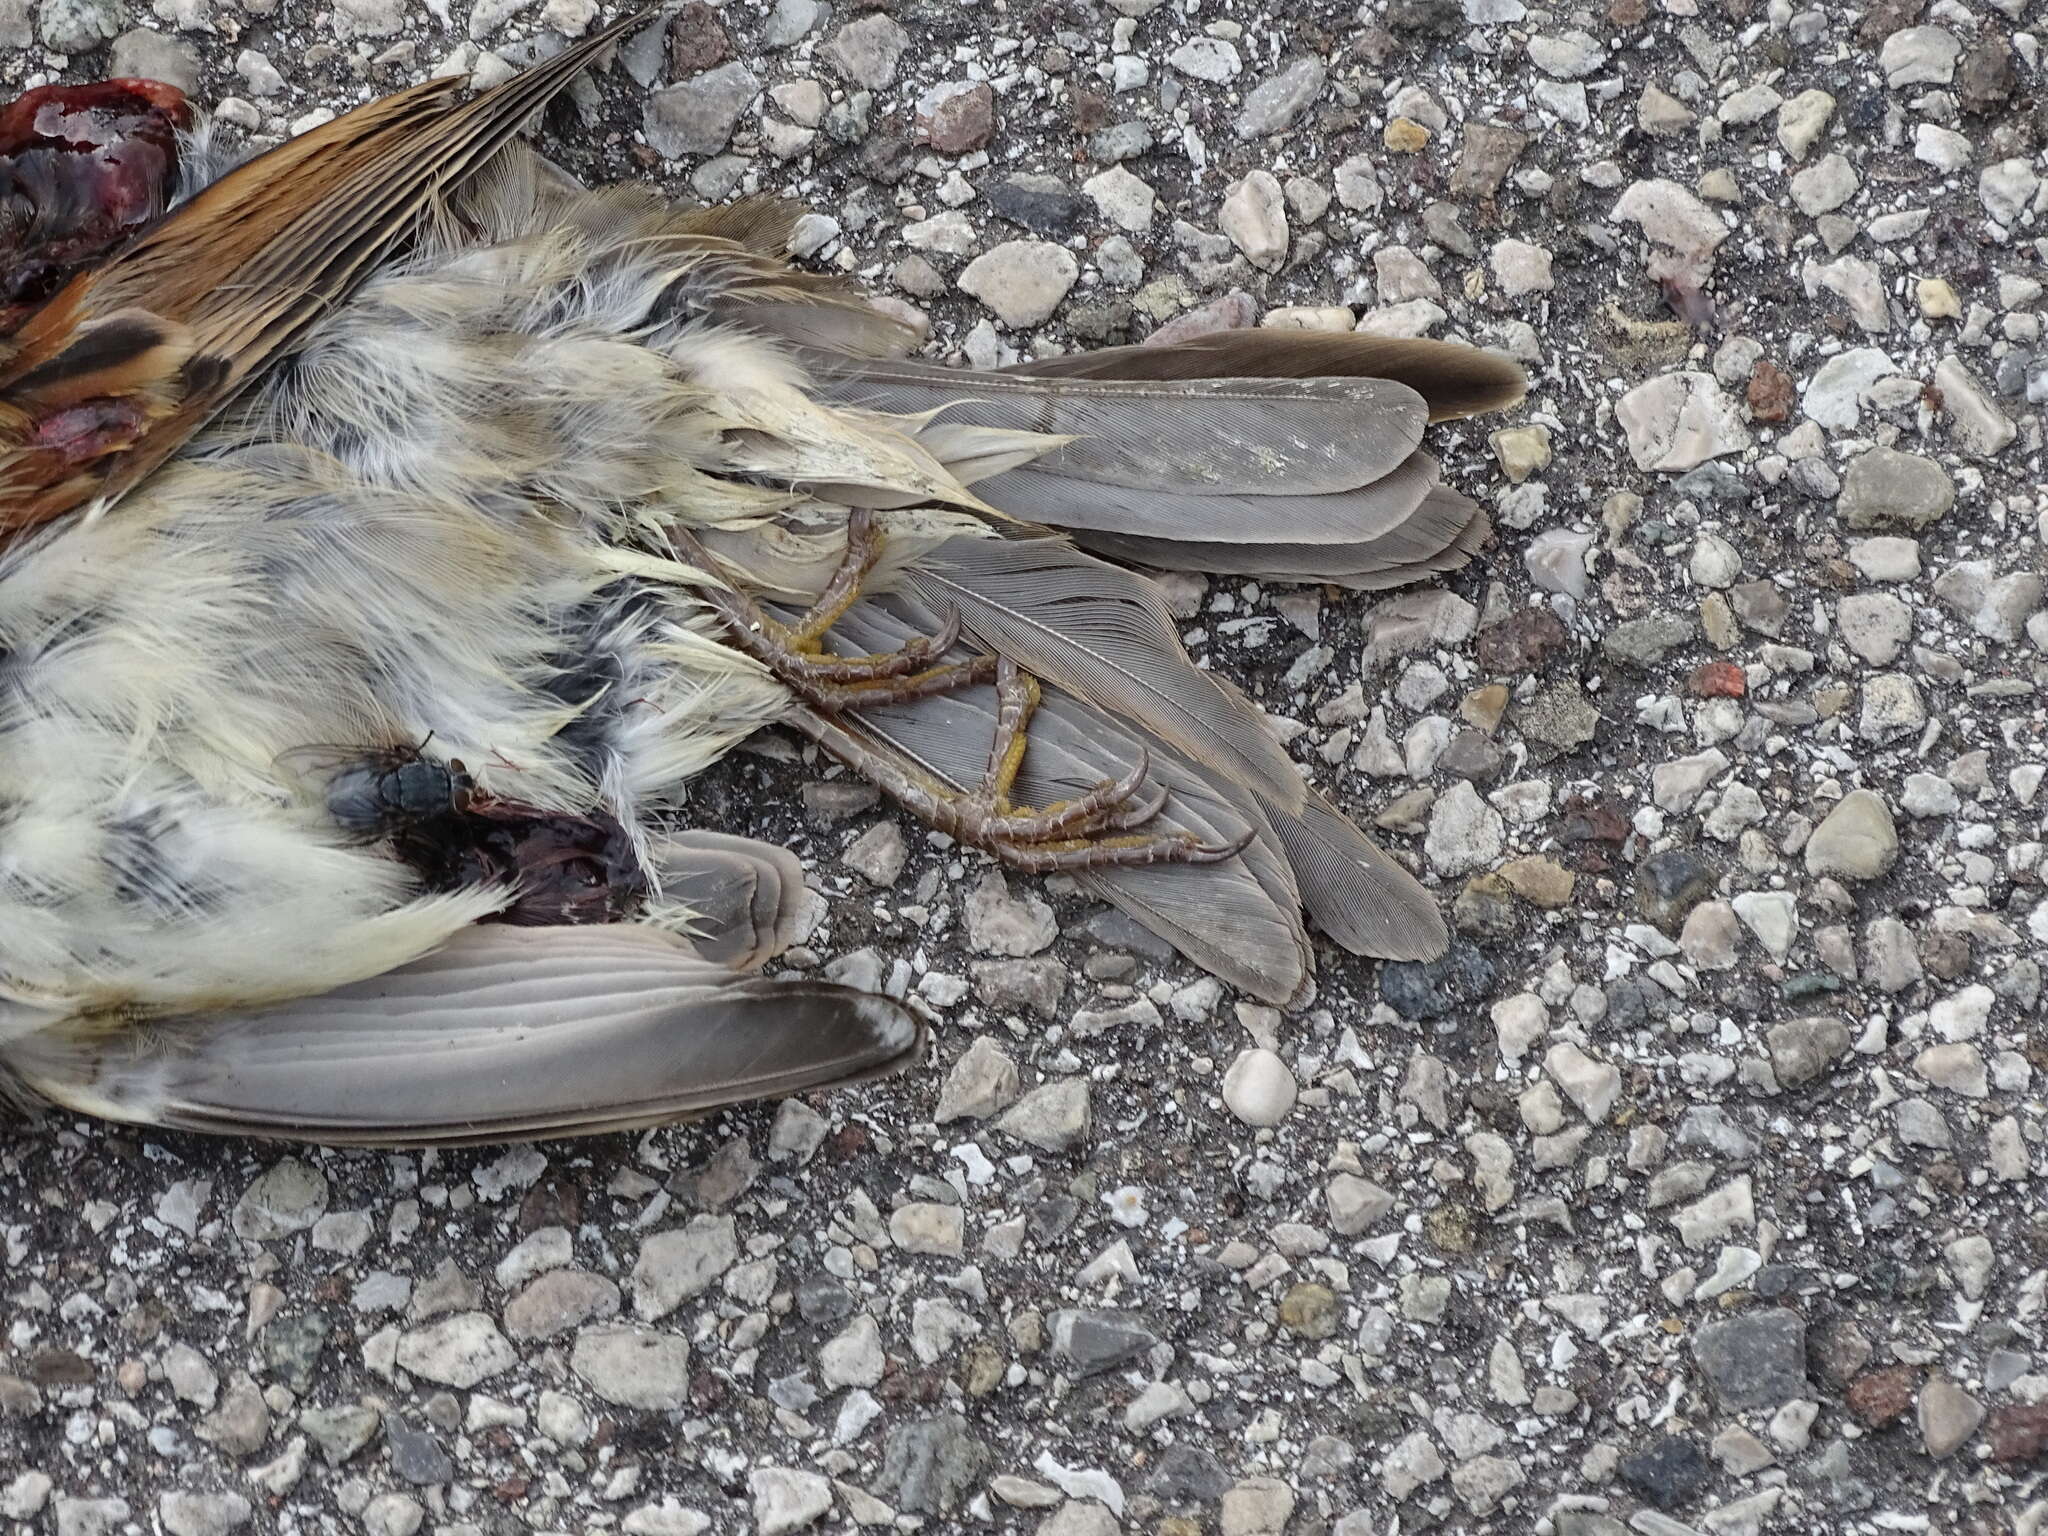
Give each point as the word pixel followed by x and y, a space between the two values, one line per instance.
pixel 1258 1088
pixel 1679 421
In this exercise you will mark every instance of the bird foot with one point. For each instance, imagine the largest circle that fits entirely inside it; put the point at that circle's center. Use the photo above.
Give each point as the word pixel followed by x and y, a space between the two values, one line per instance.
pixel 795 653
pixel 1099 829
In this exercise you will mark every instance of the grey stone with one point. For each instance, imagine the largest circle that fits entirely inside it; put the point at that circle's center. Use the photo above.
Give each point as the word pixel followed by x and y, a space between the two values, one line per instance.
pixel 633 1366
pixel 191 1378
pixel 1672 216
pixel 415 1455
pixel 1036 985
pixel 1981 428
pixel 287 1197
pixel 1802 1049
pixel 1120 141
pixel 1645 642
pixel 878 854
pixel 340 1433
pixel 697 117
pixel 1679 421
pixel 77 26
pixel 1023 281
pixel 1875 625
pixel 1125 200
pixel 90 1517
pixel 1002 924
pixel 1099 1339
pixel 983 1082
pixel 1465 833
pixel 1825 186
pixel 458 1351
pixel 202 1514
pixel 1922 1125
pixel 1919 56
pixel 931 1466
pixel 241 1423
pixel 1275 103
pixel 1856 841
pixel 146 54
pixel 1355 1204
pixel 292 1346
pixel 1892 708
pixel 786 1499
pixel 791 21
pixel 1043 204
pixel 1948 1416
pixel 1254 216
pixel 868 52
pixel 1569 56
pixel 446 1290
pixel 853 1357
pixel 1885 488
pixel 1207 58
pixel 1754 1360
pixel 1053 1118
pixel 1258 1089
pixel 558 1301
pixel 677 1265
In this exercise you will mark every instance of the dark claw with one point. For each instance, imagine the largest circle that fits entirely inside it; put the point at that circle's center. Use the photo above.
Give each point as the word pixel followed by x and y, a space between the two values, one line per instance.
pixel 928 648
pixel 1120 818
pixel 1216 853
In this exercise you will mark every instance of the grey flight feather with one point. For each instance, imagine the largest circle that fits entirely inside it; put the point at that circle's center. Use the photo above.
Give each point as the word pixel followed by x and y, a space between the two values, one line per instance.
pixel 743 896
pixel 504 1034
pixel 1201 436
pixel 1104 634
pixel 1442 534
pixel 1239 919
pixel 1310 856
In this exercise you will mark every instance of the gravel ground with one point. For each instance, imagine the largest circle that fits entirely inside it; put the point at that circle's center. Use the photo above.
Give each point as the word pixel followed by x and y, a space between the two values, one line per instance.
pixel 1699 1190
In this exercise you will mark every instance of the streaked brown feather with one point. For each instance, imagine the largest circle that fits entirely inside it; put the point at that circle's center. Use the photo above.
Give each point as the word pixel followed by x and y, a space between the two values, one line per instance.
pixel 253 261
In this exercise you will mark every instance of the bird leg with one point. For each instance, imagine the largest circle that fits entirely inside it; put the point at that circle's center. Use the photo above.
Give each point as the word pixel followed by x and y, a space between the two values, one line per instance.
pixel 795 653
pixel 1096 830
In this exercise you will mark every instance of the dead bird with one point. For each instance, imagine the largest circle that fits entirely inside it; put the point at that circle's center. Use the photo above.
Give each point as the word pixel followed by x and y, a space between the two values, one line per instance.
pixel 398 434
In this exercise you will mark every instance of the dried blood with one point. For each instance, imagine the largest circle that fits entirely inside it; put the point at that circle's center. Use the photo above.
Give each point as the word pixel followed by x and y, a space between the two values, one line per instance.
pixel 82 167
pixel 565 869
pixel 79 434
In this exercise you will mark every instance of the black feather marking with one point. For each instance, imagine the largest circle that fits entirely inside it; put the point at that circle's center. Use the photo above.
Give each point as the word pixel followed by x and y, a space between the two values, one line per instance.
pixel 204 372
pixel 117 340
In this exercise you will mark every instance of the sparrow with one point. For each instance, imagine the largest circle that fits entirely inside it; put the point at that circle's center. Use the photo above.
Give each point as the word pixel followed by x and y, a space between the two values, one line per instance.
pixel 391 527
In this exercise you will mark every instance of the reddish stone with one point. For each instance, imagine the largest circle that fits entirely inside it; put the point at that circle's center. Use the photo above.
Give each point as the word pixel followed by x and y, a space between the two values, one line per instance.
pixel 1235 311
pixel 1879 1397
pixel 1521 642
pixel 1719 680
pixel 1770 392
pixel 553 1202
pixel 696 41
pixel 706 1391
pixel 2018 1431
pixel 957 118
pixel 1627 13
pixel 1887 17
pixel 1592 821
pixel 847 1142
pixel 1090 109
